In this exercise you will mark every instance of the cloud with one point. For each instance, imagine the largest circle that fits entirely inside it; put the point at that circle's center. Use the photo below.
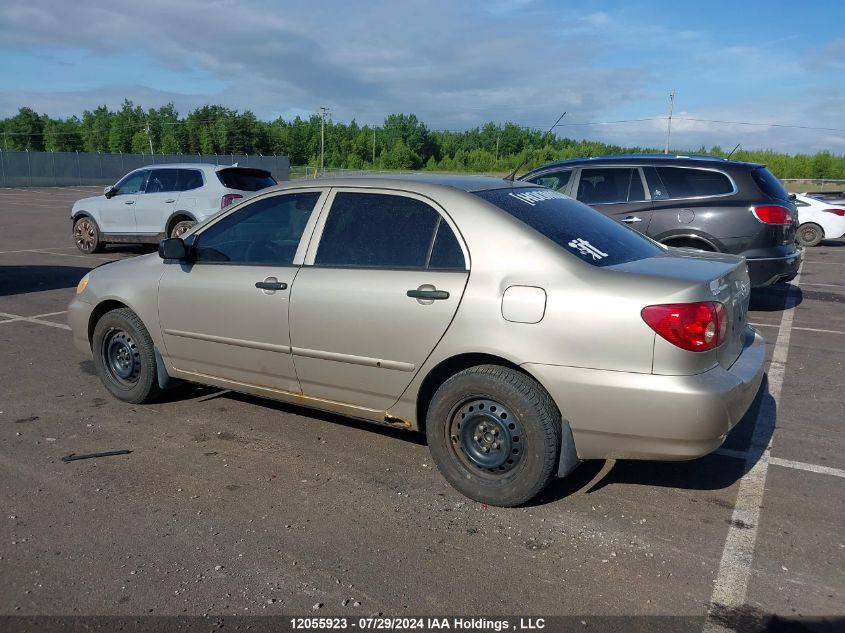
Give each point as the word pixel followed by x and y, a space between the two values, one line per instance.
pixel 454 64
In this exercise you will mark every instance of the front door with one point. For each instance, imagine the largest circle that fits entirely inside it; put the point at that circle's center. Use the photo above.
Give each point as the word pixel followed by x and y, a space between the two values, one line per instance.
pixel 226 315
pixel 617 192
pixel 117 214
pixel 375 296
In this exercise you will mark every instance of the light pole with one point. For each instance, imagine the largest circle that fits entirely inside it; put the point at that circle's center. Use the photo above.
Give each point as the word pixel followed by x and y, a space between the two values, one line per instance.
pixel 323 112
pixel 669 122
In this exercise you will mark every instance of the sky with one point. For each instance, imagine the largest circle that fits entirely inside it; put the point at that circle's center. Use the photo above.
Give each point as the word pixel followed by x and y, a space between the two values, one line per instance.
pixel 454 63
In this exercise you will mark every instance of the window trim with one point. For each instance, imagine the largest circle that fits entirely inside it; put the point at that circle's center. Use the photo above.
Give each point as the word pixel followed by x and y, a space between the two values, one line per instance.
pixel 640 171
pixel 317 236
pixel 304 241
pixel 714 195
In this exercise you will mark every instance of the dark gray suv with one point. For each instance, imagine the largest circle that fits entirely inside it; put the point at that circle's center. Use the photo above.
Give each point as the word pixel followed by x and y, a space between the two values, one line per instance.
pixel 699 202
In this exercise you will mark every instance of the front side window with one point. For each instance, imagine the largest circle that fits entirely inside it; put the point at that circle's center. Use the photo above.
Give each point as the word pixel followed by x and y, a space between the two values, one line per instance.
pixel 266 232
pixel 670 183
pixel 579 230
pixel 370 230
pixel 131 183
pixel 163 180
pixel 610 185
pixel 556 180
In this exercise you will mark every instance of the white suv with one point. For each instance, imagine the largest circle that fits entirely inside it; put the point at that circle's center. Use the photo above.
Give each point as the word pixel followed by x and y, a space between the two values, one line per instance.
pixel 160 201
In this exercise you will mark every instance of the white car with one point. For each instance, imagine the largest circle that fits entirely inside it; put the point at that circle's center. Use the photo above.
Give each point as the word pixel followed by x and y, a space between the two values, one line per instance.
pixel 818 220
pixel 160 201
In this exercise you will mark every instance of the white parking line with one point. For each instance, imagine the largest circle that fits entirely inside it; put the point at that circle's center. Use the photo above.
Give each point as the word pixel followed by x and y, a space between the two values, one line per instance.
pixel 43 251
pixel 786 463
pixel 803 329
pixel 13 318
pixel 826 285
pixel 731 585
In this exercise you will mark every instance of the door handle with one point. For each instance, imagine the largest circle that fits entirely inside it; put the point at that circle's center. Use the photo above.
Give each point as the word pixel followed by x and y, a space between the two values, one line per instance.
pixel 428 294
pixel 271 285
pixel 631 219
pixel 169 201
pixel 128 202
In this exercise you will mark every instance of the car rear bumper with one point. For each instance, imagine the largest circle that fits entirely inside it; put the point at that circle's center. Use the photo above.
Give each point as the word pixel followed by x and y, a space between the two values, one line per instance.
pixel 764 271
pixel 646 416
pixel 78 317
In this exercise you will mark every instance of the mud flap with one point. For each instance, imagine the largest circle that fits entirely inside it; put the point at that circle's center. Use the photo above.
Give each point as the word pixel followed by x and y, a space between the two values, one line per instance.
pixel 568 456
pixel 163 378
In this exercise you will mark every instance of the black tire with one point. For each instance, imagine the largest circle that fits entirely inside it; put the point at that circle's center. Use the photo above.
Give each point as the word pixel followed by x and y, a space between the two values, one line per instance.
pixel 181 227
pixel 86 235
pixel 810 234
pixel 124 356
pixel 475 408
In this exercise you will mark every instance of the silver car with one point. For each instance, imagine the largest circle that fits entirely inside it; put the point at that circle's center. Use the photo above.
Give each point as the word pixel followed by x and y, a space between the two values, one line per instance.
pixel 519 329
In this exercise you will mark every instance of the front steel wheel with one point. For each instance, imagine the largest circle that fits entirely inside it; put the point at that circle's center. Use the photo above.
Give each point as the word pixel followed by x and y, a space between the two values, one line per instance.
pixel 494 434
pixel 180 228
pixel 124 356
pixel 86 235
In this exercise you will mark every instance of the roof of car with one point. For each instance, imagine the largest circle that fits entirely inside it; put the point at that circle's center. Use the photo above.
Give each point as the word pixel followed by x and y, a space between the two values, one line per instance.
pixel 464 183
pixel 207 166
pixel 686 160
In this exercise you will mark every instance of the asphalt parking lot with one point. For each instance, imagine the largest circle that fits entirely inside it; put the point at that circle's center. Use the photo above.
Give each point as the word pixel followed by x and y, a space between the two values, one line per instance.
pixel 229 504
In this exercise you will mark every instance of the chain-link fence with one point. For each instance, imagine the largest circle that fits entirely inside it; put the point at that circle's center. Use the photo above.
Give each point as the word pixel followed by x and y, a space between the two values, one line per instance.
pixel 800 185
pixel 64 169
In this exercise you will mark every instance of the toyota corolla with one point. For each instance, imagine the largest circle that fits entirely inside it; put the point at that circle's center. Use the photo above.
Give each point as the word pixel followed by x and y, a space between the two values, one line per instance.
pixel 520 330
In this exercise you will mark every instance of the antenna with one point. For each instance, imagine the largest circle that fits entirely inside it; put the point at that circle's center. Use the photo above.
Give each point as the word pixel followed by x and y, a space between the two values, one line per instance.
pixel 512 175
pixel 732 151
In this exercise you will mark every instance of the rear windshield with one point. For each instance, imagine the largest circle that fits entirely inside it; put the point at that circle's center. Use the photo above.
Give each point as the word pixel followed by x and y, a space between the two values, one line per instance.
pixel 769 184
pixel 245 179
pixel 575 227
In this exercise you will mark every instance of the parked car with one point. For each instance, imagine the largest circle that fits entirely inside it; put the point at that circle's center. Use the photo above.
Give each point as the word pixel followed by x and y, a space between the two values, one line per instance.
pixel 698 202
pixel 161 201
pixel 519 329
pixel 818 220
pixel 835 197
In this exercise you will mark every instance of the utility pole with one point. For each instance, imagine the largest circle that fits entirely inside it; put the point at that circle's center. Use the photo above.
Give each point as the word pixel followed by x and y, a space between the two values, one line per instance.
pixel 323 112
pixel 374 147
pixel 497 148
pixel 150 139
pixel 669 122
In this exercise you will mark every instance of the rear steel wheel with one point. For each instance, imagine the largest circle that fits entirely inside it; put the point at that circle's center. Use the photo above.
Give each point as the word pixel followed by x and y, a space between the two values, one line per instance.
pixel 810 234
pixel 180 228
pixel 494 434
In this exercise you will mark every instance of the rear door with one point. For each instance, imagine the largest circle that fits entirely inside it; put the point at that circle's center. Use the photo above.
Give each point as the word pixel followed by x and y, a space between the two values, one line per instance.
pixel 375 295
pixel 158 201
pixel 618 192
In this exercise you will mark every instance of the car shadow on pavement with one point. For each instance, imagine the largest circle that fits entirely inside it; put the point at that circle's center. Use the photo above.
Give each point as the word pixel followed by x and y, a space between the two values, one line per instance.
pixel 17 280
pixel 775 298
pixel 712 472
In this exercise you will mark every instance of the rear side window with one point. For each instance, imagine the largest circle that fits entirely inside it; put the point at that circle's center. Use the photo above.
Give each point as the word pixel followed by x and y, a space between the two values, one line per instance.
pixel 556 180
pixel 579 230
pixel 370 230
pixel 163 180
pixel 669 183
pixel 609 185
pixel 189 179
pixel 245 178
pixel 768 184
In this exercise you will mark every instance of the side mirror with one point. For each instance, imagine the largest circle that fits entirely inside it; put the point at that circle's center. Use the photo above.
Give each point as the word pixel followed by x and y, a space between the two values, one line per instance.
pixel 173 248
pixel 110 191
pixel 793 197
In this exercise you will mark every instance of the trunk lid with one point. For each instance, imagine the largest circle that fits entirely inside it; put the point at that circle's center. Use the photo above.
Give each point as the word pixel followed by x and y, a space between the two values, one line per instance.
pixel 687 275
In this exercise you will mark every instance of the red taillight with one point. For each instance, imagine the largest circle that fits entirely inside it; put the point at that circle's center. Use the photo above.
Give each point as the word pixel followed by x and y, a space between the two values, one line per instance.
pixel 696 327
pixel 772 214
pixel 839 212
pixel 228 199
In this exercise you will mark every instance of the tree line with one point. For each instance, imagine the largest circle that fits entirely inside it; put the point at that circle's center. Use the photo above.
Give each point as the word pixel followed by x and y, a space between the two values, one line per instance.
pixel 401 142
